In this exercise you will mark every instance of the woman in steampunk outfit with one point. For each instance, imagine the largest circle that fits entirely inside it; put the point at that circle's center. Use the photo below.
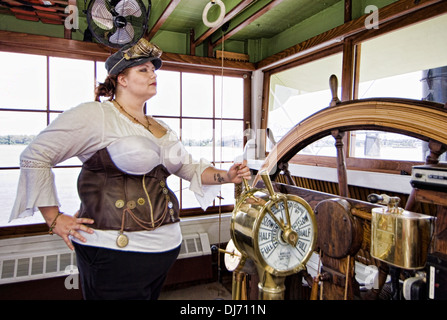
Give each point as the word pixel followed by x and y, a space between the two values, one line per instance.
pixel 127 233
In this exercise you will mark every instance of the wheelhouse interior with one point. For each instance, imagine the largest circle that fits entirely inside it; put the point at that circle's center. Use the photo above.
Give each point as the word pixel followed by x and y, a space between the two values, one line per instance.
pixel 341 102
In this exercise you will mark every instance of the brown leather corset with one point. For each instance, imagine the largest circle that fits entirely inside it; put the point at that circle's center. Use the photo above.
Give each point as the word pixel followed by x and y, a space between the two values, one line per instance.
pixel 116 200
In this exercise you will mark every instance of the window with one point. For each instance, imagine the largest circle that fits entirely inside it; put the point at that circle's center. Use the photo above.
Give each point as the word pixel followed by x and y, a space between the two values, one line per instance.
pixel 407 63
pixel 299 92
pixel 37 89
pixel 40 87
pixel 211 127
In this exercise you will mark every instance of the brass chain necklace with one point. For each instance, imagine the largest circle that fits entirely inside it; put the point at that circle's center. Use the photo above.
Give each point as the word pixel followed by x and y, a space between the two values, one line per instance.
pixel 135 119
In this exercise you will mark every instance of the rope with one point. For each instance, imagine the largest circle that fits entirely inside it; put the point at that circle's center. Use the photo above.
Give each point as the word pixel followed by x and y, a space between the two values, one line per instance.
pixel 221 152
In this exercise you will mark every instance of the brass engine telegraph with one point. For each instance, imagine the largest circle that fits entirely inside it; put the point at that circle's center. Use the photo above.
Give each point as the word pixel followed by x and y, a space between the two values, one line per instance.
pixel 276 231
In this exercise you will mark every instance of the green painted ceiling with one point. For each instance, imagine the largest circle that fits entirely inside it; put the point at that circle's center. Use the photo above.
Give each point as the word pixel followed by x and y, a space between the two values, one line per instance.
pixel 287 23
pixel 282 17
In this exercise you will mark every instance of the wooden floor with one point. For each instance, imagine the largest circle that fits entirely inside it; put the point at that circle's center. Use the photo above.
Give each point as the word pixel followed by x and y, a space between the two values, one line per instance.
pixel 206 291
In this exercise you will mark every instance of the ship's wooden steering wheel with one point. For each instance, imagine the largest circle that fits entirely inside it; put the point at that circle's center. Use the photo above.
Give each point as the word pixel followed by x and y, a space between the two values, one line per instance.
pixel 419 119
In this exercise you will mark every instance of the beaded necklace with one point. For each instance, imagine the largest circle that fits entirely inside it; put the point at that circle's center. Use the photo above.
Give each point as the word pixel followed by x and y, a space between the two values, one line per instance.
pixel 135 119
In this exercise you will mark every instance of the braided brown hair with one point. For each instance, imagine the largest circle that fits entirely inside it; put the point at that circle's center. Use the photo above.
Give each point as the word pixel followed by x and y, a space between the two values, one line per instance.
pixel 108 87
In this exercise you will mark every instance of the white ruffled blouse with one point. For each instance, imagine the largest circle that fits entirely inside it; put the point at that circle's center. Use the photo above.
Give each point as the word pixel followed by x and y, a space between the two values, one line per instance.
pixel 82 131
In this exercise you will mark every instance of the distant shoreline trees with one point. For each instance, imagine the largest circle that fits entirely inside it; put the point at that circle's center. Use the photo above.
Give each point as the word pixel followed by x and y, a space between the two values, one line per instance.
pixel 13 139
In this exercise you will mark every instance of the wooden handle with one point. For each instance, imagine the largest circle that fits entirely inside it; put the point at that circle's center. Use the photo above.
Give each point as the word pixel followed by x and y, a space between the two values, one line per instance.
pixel 333 85
pixel 314 291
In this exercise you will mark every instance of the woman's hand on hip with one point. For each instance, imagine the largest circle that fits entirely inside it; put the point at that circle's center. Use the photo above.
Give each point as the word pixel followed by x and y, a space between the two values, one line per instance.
pixel 66 225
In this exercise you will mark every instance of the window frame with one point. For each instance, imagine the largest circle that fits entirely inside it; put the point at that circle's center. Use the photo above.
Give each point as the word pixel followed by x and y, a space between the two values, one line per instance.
pixel 188 212
pixel 65 48
pixel 350 47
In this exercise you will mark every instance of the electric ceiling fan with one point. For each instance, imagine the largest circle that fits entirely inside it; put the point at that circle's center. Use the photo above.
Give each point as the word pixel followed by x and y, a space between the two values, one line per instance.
pixel 117 23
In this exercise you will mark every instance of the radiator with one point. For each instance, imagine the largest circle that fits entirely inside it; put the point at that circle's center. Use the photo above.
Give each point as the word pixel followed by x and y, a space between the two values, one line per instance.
pixel 40 257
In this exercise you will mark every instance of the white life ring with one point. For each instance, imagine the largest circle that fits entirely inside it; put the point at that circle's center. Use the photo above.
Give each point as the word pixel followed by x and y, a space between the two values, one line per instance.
pixel 221 16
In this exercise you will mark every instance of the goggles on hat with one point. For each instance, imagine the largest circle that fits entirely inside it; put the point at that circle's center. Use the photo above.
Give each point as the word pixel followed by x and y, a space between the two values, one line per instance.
pixel 142 49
